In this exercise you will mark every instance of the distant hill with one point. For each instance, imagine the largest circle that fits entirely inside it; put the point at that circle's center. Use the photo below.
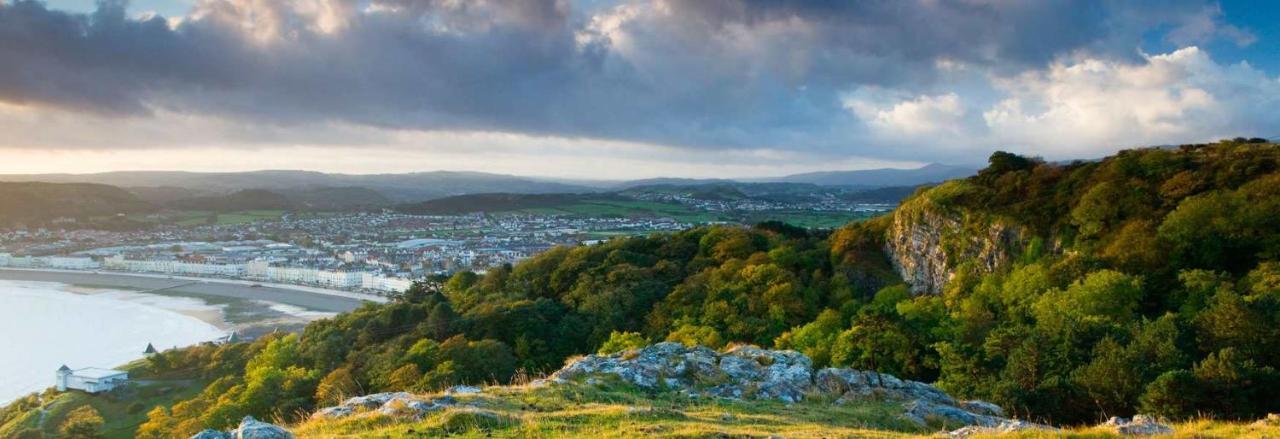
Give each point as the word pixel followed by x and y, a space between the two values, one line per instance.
pixel 408 187
pixel 497 202
pixel 31 202
pixel 932 173
pixel 336 198
pixel 165 194
pixel 249 199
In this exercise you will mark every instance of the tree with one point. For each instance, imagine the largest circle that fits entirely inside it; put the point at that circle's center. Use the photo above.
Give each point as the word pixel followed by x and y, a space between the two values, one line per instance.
pixel 404 378
pixel 621 341
pixel 1174 394
pixel 336 387
pixel 82 423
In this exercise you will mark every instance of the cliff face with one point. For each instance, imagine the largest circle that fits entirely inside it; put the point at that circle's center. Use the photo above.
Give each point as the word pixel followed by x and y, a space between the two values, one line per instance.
pixel 927 244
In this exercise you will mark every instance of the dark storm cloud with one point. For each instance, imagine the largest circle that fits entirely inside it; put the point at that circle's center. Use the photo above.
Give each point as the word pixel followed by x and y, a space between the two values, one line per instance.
pixel 695 73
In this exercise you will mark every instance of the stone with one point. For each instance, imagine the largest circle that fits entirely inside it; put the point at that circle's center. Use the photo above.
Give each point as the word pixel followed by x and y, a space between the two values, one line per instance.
pixel 982 407
pixel 211 434
pixel 398 404
pixel 335 412
pixel 749 372
pixel 408 407
pixel 375 400
pixel 254 429
pixel 1004 427
pixel 854 385
pixel 922 411
pixel 1140 425
pixel 464 390
pixel 1272 419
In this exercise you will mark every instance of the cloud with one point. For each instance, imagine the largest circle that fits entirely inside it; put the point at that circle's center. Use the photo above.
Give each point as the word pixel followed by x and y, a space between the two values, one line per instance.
pixel 1084 107
pixel 692 74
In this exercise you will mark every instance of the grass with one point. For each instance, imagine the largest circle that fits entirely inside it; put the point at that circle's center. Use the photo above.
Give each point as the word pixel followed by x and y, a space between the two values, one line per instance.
pixel 590 412
pixel 580 412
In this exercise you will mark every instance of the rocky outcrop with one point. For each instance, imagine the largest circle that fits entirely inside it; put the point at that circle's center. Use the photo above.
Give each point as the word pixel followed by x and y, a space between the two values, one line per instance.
pixel 397 404
pixel 924 242
pixel 249 428
pixel 1140 425
pixel 749 372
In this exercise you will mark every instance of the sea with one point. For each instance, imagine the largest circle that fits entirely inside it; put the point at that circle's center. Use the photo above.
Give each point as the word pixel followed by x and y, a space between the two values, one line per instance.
pixel 44 325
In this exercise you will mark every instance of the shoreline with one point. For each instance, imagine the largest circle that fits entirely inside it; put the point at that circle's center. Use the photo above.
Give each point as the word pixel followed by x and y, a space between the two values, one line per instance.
pixel 311 298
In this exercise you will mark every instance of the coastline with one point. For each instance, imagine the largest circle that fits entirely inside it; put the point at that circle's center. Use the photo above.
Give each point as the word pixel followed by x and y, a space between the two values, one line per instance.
pixel 311 298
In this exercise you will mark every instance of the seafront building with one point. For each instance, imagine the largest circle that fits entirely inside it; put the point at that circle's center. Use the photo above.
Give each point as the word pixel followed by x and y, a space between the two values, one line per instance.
pixel 89 379
pixel 257 270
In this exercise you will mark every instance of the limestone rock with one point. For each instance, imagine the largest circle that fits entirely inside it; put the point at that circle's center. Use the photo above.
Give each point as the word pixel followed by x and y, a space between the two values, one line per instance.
pixel 855 385
pixel 982 407
pixel 211 434
pixel 464 390
pixel 1140 425
pixel 254 429
pixel 925 239
pixel 399 404
pixel 922 411
pixel 1004 427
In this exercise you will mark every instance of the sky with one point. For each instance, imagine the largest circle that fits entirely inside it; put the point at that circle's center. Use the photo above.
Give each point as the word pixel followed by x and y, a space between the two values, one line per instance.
pixel 614 89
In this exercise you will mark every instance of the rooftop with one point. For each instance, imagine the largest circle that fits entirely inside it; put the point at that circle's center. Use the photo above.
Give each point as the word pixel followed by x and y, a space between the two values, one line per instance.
pixel 98 373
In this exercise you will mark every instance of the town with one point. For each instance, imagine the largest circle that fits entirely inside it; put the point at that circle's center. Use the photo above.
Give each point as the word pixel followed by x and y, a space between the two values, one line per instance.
pixel 376 253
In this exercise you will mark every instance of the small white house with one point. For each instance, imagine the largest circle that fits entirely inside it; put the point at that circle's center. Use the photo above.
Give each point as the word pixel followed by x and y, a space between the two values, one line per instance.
pixel 90 379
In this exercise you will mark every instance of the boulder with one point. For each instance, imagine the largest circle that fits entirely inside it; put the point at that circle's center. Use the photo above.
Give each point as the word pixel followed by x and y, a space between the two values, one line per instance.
pixel 375 400
pixel 1140 425
pixel 1004 427
pixel 399 404
pixel 855 385
pixel 464 390
pixel 254 429
pixel 211 434
pixel 749 372
pixel 922 411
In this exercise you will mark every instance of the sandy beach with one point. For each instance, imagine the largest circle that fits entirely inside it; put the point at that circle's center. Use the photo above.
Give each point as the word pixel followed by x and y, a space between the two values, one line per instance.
pixel 315 299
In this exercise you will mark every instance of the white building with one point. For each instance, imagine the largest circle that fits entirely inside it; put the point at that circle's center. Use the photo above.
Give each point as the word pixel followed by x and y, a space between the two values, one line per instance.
pixel 90 379
pixel 67 263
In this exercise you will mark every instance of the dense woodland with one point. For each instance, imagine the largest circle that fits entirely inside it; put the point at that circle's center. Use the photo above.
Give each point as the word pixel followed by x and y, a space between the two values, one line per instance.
pixel 1146 282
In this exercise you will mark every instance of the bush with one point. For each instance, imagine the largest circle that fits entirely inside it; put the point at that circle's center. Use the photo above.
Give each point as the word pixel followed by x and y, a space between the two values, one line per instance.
pixel 1174 395
pixel 621 341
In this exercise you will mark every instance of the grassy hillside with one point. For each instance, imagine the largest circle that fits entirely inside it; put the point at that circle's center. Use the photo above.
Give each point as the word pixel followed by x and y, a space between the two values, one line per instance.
pixel 587 412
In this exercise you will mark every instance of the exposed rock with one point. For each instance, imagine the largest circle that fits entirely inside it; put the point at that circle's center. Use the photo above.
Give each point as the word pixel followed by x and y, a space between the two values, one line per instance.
pixel 924 239
pixel 1140 425
pixel 464 390
pixel 982 407
pixel 400 404
pixel 922 411
pixel 1004 427
pixel 1272 419
pixel 254 429
pixel 212 434
pixel 855 385
pixel 749 372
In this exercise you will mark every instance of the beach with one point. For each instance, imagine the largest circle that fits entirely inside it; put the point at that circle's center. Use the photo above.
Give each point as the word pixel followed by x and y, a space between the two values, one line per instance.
pixel 88 319
pixel 315 299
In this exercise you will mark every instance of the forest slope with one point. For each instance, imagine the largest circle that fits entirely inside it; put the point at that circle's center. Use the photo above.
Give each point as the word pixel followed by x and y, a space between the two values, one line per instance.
pixel 1065 293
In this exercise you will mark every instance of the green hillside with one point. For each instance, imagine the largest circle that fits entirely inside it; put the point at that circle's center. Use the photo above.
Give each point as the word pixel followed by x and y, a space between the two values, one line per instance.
pixel 1065 293
pixel 40 203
